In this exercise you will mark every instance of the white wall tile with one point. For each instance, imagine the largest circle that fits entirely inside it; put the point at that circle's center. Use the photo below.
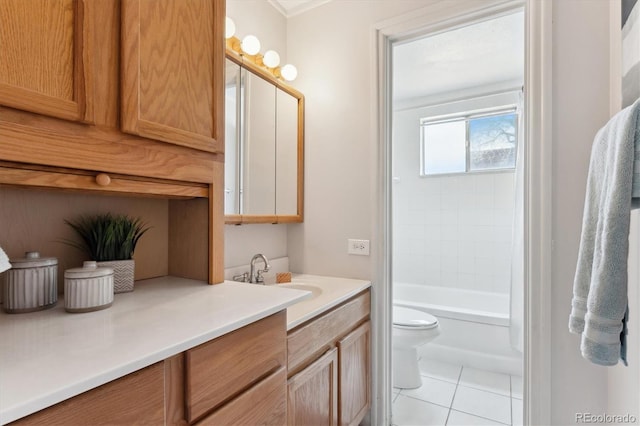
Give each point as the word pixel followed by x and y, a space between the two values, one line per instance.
pixel 450 233
pixel 449 217
pixel 451 201
pixel 465 221
pixel 449 248
pixel 449 264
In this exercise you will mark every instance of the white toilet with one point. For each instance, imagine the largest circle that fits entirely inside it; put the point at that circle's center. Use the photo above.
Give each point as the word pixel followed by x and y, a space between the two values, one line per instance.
pixel 411 329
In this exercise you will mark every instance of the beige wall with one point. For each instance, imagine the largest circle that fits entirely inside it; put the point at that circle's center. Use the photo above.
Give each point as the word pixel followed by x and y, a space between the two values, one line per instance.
pixel 580 108
pixel 623 389
pixel 332 48
pixel 33 220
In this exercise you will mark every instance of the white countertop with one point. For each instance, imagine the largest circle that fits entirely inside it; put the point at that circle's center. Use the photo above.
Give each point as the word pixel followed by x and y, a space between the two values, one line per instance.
pixel 327 293
pixel 49 356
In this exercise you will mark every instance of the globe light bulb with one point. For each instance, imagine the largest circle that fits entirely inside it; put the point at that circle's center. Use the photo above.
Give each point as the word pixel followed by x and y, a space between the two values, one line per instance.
pixel 289 72
pixel 229 27
pixel 271 59
pixel 250 45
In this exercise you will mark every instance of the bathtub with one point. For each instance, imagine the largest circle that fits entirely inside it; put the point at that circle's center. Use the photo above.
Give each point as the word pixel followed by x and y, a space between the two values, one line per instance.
pixel 474 326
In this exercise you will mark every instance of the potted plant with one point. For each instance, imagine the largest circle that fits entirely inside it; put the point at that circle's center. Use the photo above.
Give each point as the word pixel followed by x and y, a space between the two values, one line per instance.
pixel 110 240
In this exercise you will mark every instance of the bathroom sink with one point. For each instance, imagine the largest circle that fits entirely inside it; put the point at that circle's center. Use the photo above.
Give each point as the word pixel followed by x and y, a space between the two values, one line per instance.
pixel 315 290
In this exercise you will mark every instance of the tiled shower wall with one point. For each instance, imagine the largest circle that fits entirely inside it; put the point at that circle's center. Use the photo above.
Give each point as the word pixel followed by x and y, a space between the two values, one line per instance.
pixel 452 231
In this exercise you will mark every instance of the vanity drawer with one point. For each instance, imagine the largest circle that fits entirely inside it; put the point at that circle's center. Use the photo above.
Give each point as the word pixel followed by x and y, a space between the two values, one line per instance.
pixel 135 399
pixel 263 404
pixel 219 370
pixel 320 334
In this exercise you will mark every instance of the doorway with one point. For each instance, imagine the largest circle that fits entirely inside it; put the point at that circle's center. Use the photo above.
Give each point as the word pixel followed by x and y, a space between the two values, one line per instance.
pixel 435 19
pixel 457 222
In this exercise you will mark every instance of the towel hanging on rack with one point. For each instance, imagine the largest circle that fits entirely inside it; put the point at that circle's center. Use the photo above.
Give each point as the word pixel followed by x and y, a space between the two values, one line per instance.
pixel 600 287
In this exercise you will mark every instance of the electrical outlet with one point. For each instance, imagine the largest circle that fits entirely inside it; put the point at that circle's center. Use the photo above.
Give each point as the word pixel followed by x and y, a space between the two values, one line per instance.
pixel 359 247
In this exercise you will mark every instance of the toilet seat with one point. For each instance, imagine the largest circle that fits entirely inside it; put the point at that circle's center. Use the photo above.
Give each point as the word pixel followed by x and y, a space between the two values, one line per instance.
pixel 413 319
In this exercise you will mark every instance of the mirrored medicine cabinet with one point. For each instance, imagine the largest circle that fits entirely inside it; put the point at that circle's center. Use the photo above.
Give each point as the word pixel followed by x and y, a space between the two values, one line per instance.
pixel 264 146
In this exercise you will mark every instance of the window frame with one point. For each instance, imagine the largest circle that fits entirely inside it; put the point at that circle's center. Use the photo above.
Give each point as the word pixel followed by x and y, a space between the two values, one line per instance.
pixel 466 117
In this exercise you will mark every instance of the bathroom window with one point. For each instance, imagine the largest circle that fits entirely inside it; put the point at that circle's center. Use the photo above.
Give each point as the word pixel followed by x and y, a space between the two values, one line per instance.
pixel 468 143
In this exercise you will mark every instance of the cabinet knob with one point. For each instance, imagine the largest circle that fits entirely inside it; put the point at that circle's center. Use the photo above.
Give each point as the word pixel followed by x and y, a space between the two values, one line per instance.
pixel 103 179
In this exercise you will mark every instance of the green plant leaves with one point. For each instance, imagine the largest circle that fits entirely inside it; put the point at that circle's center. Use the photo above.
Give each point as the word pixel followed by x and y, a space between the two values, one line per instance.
pixel 107 237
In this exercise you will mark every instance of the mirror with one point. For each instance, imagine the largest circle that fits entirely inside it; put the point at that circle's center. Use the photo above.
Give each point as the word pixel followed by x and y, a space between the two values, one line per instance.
pixel 263 146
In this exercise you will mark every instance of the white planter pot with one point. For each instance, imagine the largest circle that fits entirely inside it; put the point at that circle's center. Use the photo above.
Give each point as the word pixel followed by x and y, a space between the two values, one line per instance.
pixel 123 274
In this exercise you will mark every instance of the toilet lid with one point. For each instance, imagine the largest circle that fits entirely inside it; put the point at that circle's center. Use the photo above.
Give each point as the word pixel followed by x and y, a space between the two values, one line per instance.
pixel 413 319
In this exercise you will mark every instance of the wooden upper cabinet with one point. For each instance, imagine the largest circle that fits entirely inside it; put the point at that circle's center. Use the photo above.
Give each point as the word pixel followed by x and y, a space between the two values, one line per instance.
pixel 172 71
pixel 43 58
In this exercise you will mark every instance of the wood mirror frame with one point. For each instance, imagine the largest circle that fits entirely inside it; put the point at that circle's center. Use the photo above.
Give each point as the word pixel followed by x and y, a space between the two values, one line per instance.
pixel 257 70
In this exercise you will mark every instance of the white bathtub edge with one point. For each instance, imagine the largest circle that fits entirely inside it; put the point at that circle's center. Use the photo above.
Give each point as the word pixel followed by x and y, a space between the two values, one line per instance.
pixel 460 314
pixel 474 359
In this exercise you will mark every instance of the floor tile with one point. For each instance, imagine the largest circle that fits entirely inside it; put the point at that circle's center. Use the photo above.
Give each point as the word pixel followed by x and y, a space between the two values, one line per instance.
pixel 484 404
pixel 439 370
pixel 516 387
pixel 414 412
pixel 486 380
pixel 434 391
pixel 458 418
pixel 517 412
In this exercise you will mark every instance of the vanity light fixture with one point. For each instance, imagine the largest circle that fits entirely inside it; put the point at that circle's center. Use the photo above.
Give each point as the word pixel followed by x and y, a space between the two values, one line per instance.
pixel 271 58
pixel 289 72
pixel 229 28
pixel 249 50
pixel 250 45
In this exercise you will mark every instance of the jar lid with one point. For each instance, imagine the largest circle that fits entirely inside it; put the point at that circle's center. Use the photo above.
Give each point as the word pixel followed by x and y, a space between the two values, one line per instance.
pixel 89 270
pixel 32 259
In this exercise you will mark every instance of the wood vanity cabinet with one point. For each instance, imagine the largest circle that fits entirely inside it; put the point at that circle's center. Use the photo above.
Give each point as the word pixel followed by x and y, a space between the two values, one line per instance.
pixel 329 366
pixel 120 96
pixel 172 71
pixel 223 368
pixel 239 378
pixel 312 394
pixel 45 50
pixel 63 59
pixel 137 398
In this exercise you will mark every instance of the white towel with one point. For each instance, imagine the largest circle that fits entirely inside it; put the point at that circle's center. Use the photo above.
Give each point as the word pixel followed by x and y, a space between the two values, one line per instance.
pixel 600 287
pixel 4 261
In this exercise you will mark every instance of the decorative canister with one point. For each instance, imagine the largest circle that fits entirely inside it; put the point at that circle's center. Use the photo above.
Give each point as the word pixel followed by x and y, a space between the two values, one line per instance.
pixel 88 288
pixel 31 284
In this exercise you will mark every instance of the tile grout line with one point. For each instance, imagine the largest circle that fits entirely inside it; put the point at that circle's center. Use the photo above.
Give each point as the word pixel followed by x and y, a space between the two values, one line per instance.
pixel 454 395
pixel 488 391
pixel 482 417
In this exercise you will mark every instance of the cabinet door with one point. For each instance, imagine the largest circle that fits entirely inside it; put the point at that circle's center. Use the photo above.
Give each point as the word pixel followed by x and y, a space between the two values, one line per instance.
pixel 172 71
pixel 354 375
pixel 312 397
pixel 43 46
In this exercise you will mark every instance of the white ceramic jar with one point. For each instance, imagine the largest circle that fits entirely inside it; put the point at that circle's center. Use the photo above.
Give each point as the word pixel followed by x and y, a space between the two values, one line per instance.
pixel 88 288
pixel 31 284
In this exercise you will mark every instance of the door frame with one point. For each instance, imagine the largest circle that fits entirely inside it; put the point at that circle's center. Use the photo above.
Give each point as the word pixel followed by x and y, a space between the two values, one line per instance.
pixel 438 16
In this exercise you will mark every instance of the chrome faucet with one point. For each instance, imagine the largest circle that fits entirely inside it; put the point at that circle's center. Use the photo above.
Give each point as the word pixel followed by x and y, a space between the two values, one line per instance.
pixel 256 276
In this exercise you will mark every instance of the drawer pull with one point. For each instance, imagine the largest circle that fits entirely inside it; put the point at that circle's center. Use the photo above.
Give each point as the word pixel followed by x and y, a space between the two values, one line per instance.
pixel 103 179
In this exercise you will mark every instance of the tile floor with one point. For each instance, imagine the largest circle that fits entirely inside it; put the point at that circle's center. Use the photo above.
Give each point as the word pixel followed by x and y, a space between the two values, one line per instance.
pixel 457 395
